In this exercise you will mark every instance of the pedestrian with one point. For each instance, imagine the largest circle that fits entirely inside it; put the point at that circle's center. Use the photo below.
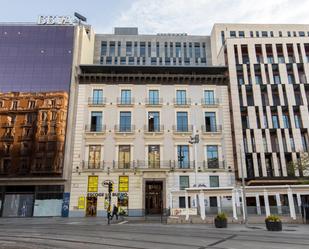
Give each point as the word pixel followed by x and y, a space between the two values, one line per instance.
pixel 115 212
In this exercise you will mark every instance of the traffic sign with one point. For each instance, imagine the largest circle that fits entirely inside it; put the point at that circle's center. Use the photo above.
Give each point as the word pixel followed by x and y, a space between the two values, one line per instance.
pixel 106 183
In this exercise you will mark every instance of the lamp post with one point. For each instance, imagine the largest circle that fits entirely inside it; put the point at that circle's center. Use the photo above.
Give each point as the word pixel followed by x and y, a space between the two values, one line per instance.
pixel 244 201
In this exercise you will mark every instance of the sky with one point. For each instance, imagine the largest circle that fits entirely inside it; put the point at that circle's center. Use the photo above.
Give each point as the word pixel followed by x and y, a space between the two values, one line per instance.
pixel 194 17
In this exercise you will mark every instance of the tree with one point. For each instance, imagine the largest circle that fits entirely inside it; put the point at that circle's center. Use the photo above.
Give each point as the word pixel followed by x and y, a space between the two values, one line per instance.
pixel 301 165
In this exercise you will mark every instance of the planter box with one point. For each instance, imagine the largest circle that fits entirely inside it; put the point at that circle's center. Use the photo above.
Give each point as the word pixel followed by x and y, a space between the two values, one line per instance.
pixel 220 223
pixel 273 226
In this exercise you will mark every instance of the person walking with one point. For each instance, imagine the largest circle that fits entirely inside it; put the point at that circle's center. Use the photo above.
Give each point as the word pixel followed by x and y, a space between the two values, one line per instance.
pixel 115 212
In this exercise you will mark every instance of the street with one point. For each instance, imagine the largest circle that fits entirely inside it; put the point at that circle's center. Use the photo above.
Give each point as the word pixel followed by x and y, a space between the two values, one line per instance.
pixel 76 233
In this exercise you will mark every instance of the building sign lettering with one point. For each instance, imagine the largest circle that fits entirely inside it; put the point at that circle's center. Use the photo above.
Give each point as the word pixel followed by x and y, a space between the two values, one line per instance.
pixel 55 20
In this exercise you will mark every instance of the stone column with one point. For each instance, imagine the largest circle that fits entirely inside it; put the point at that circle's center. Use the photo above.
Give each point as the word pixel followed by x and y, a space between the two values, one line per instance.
pixel 299 202
pixel 291 204
pixel 202 204
pixel 219 203
pixel 234 204
pixel 187 205
pixel 258 204
pixel 278 201
pixel 266 201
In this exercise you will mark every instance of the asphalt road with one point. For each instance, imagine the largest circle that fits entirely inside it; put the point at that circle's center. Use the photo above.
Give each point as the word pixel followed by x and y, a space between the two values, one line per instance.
pixel 47 233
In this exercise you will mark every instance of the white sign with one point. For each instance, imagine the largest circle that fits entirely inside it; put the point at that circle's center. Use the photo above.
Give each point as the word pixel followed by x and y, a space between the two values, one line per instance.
pixel 55 20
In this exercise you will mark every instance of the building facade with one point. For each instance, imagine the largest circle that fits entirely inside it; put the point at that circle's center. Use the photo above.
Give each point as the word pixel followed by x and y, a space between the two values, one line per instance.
pixel 133 127
pixel 37 76
pixel 268 78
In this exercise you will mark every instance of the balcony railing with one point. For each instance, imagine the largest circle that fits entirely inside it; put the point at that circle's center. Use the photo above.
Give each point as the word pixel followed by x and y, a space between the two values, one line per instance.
pixel 213 164
pixel 7 138
pixel 125 101
pixel 154 101
pixel 124 128
pixel 183 164
pixel 183 128
pixel 153 164
pixel 7 125
pixel 212 129
pixel 95 128
pixel 86 165
pixel 154 129
pixel 124 164
pixel 182 102
pixel 210 102
pixel 96 101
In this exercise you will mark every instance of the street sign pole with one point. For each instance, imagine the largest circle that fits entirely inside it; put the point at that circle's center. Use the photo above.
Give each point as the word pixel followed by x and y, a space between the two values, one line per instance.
pixel 109 208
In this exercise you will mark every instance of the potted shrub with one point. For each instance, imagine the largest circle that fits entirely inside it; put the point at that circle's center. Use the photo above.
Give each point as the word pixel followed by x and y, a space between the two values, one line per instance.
pixel 273 223
pixel 221 220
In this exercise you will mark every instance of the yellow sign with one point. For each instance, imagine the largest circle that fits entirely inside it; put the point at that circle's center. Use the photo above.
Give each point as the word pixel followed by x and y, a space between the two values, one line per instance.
pixel 93 183
pixel 81 202
pixel 123 184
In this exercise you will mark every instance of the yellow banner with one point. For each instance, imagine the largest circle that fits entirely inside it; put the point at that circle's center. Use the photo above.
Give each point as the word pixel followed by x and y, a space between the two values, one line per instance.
pixel 81 202
pixel 123 184
pixel 93 183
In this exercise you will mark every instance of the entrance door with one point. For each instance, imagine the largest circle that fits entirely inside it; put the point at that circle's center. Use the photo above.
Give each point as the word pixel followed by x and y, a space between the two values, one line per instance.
pixel 153 197
pixel 91 209
pixel 18 205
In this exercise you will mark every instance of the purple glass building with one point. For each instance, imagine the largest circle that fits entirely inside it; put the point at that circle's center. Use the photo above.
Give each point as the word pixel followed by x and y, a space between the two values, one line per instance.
pixel 35 58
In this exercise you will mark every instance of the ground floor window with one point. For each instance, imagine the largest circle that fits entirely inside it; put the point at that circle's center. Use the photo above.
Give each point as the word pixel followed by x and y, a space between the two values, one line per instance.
pixel 182 202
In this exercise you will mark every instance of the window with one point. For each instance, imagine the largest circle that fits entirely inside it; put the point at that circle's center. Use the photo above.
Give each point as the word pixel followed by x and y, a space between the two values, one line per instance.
pixel 212 156
pixel 112 48
pixel 97 97
pixel 125 121
pixel 297 121
pixel 157 49
pixel 153 121
pixel 142 49
pixel 125 97
pixel 154 156
pixel 232 33
pixel 153 97
pixel 123 184
pixel 15 105
pixel 286 122
pixel 181 98
pixel 264 34
pixel 178 49
pixel 241 34
pixel 119 48
pixel 210 122
pixel 182 202
pixel 96 121
pixel 183 182
pixel 209 97
pixel 31 104
pixel 292 143
pixel 94 156
pixel 197 50
pixel 93 183
pixel 182 121
pixel 214 181
pixel 128 48
pixel 183 156
pixel 275 121
pixel 103 48
pixel 124 156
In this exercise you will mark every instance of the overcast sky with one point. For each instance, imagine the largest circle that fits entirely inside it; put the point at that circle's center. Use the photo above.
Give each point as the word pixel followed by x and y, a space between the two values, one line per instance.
pixel 160 16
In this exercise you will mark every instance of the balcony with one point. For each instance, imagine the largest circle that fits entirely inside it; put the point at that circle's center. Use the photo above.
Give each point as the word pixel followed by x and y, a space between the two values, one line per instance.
pixel 92 166
pixel 125 102
pixel 210 102
pixel 25 137
pixel 7 125
pixel 154 102
pixel 96 102
pixel 182 129
pixel 185 102
pixel 183 165
pixel 213 164
pixel 153 165
pixel 124 129
pixel 123 165
pixel 95 130
pixel 153 130
pixel 211 129
pixel 7 138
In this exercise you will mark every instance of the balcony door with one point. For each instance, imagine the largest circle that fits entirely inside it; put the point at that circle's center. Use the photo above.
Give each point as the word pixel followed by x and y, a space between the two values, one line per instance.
pixel 153 121
pixel 96 121
pixel 97 97
pixel 210 121
pixel 182 121
pixel 124 156
pixel 125 121
pixel 183 156
pixel 125 97
pixel 154 156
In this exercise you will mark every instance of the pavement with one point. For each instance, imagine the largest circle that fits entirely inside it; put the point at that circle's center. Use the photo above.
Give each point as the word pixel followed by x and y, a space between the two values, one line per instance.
pixel 81 233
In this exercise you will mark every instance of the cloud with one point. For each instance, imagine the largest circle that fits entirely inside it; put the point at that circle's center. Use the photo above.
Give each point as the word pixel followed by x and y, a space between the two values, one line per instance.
pixel 198 16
